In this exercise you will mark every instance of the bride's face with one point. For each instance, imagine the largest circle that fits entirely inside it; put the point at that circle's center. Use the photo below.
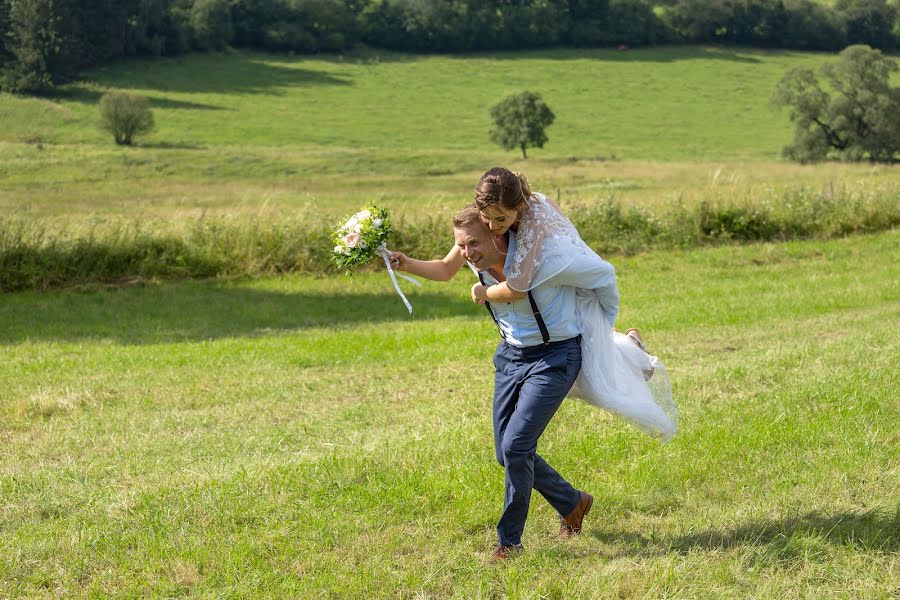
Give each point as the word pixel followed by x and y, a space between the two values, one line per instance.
pixel 499 219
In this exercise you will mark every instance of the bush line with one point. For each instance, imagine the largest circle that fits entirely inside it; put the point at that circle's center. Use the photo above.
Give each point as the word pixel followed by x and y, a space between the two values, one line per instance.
pixel 32 257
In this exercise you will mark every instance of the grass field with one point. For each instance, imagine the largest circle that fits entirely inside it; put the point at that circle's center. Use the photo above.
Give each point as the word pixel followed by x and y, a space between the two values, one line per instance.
pixel 316 137
pixel 304 437
pixel 298 437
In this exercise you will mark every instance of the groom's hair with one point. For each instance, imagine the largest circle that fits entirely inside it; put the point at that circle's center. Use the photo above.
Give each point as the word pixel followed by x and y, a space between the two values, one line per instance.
pixel 467 217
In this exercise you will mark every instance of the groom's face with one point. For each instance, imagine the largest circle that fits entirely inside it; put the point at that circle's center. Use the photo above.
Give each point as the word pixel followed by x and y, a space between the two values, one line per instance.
pixel 478 246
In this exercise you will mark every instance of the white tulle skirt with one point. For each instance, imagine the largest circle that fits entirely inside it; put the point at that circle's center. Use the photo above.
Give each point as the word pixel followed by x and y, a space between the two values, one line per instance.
pixel 612 374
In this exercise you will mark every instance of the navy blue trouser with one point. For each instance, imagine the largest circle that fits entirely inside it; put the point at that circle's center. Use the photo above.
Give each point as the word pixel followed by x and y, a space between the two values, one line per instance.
pixel 529 385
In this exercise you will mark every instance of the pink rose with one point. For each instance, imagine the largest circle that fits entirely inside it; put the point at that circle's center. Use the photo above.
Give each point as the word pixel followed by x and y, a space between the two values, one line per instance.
pixel 352 239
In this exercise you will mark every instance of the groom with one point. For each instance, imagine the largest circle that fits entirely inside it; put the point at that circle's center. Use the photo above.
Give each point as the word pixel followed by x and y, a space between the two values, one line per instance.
pixel 535 364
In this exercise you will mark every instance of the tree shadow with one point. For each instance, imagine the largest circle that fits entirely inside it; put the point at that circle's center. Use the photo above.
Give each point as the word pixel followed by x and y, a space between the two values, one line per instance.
pixel 649 54
pixel 78 93
pixel 197 310
pixel 665 54
pixel 234 72
pixel 170 146
pixel 254 72
pixel 872 531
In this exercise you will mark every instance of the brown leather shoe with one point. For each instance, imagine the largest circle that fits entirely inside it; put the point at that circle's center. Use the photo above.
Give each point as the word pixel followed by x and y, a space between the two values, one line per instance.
pixel 571 524
pixel 503 552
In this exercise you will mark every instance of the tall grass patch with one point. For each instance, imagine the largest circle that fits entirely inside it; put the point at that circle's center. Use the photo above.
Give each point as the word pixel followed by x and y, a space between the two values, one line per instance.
pixel 34 255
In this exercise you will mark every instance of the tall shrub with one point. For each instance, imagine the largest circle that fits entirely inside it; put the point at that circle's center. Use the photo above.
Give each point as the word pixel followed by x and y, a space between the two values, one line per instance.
pixel 125 116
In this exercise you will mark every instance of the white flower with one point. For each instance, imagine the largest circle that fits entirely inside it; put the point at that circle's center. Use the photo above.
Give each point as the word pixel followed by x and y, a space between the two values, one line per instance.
pixel 350 224
pixel 363 214
pixel 338 249
pixel 358 228
pixel 352 240
pixel 376 222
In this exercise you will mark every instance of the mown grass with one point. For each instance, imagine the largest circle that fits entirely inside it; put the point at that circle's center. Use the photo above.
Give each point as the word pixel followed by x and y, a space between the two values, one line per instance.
pixel 305 437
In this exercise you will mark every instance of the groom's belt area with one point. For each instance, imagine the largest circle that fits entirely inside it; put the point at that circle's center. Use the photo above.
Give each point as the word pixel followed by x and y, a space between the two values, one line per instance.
pixel 532 353
pixel 545 335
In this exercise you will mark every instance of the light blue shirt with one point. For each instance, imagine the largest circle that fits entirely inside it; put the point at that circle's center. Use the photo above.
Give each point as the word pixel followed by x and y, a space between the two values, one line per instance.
pixel 555 298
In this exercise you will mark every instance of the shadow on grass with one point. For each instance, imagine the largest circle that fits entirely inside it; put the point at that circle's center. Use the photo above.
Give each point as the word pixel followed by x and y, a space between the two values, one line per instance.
pixel 197 310
pixel 653 54
pixel 76 93
pixel 169 146
pixel 202 73
pixel 252 72
pixel 871 531
pixel 659 54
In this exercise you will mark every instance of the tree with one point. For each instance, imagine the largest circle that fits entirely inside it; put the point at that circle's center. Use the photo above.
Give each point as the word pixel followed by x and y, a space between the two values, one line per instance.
pixel 868 22
pixel 212 25
pixel 32 42
pixel 859 118
pixel 520 120
pixel 125 116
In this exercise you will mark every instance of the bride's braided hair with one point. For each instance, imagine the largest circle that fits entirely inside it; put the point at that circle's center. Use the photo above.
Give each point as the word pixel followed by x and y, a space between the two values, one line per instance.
pixel 501 186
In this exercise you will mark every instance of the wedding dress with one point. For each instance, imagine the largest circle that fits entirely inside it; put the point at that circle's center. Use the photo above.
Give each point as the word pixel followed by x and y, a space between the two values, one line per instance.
pixel 613 367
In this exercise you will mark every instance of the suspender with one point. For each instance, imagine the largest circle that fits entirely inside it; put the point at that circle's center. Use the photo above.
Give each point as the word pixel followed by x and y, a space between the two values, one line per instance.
pixel 545 335
pixel 487 305
pixel 540 320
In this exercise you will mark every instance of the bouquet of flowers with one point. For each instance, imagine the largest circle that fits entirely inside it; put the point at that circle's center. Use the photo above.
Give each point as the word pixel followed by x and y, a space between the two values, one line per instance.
pixel 361 238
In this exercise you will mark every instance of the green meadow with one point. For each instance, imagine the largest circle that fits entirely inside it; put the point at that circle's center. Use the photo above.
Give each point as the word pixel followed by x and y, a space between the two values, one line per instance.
pixel 267 136
pixel 272 434
pixel 305 437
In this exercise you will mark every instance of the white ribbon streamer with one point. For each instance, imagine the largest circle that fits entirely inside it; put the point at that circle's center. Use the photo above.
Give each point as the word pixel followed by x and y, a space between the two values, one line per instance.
pixel 384 253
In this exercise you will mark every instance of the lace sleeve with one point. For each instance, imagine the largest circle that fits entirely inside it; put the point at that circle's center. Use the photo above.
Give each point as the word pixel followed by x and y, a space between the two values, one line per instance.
pixel 546 243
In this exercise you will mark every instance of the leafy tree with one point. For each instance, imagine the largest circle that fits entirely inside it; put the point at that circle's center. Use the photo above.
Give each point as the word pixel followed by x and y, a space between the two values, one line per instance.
pixel 5 55
pixel 32 42
pixel 868 22
pixel 589 21
pixel 811 25
pixel 858 118
pixel 700 20
pixel 212 24
pixel 532 24
pixel 520 120
pixel 125 116
pixel 632 22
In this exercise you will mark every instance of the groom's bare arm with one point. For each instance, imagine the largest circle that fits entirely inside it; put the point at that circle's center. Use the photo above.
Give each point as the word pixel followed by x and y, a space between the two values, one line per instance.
pixel 436 270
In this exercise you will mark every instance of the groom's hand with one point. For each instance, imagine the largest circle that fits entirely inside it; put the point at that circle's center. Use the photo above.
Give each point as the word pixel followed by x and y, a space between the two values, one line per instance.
pixel 398 261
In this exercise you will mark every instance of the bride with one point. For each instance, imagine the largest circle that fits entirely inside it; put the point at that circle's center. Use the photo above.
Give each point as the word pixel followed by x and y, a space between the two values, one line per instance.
pixel 617 373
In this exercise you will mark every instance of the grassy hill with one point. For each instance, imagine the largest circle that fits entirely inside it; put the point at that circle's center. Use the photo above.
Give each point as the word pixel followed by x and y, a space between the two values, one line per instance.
pixel 318 136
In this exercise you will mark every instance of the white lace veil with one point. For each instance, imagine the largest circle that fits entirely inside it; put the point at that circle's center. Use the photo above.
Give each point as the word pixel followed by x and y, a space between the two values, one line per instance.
pixel 546 244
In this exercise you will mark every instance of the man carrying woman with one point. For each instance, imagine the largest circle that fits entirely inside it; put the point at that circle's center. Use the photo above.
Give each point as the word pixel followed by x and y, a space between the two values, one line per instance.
pixel 554 302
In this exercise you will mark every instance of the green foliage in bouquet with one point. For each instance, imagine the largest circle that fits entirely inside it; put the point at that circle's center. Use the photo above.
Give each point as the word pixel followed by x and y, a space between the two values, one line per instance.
pixel 358 240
